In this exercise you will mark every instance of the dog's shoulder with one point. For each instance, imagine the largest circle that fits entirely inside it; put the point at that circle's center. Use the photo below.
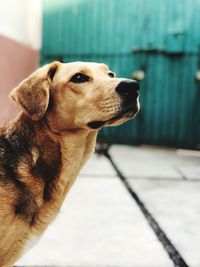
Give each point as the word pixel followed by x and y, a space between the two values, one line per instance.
pixel 15 141
pixel 30 162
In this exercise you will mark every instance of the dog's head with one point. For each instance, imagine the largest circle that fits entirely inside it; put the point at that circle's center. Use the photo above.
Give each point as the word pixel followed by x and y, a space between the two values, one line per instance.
pixel 77 95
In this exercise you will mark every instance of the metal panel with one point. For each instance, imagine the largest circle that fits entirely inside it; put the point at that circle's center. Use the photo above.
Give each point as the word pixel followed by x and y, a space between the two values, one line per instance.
pixel 91 25
pixel 168 103
pixel 160 37
pixel 108 27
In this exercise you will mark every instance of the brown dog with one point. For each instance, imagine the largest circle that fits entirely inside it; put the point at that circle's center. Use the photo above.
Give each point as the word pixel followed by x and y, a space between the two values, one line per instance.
pixel 42 151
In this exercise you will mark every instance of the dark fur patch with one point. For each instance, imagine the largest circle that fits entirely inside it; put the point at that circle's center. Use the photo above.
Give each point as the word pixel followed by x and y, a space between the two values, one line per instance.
pixel 12 149
pixel 20 141
pixel 26 205
pixel 48 165
pixel 48 172
pixel 16 146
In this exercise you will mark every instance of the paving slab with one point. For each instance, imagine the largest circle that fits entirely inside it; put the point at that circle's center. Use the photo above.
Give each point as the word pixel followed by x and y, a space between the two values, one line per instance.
pixel 176 207
pixel 98 165
pixel 99 226
pixel 190 172
pixel 154 163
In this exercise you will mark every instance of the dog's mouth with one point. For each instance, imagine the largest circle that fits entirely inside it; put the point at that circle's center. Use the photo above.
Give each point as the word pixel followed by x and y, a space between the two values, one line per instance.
pixel 129 112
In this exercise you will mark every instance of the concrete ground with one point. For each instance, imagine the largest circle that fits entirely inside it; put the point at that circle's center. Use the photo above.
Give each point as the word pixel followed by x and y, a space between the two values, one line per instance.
pixel 101 225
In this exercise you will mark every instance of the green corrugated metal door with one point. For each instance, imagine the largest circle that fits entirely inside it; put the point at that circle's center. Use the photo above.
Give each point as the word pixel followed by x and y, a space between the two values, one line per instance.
pixel 168 52
pixel 159 37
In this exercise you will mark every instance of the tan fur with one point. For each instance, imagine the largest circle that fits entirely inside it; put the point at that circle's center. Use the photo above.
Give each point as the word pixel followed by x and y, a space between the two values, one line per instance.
pixel 51 132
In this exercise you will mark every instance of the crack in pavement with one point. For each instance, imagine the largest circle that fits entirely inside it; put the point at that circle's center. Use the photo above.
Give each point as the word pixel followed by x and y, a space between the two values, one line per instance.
pixel 173 253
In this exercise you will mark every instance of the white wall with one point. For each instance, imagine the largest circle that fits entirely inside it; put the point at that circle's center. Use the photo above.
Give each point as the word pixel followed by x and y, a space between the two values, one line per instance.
pixel 21 20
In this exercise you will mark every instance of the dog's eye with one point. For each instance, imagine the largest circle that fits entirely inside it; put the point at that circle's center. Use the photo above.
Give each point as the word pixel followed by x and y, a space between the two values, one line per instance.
pixel 79 78
pixel 111 74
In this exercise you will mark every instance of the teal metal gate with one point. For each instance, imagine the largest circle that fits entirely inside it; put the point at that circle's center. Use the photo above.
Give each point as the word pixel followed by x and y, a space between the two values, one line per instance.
pixel 161 38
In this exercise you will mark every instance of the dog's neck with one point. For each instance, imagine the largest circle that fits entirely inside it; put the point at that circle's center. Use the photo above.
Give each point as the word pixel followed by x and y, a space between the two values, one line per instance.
pixel 56 157
pixel 76 148
pixel 46 164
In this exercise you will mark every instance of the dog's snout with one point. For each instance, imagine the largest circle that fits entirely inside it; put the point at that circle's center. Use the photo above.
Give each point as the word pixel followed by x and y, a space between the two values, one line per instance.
pixel 128 89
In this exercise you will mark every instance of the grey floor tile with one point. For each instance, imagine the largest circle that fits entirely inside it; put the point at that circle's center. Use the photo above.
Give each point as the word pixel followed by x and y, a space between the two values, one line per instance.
pixel 154 163
pixel 99 225
pixel 98 165
pixel 176 207
pixel 190 171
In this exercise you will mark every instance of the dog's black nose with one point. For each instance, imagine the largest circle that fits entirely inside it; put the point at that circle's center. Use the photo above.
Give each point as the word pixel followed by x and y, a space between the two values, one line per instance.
pixel 128 89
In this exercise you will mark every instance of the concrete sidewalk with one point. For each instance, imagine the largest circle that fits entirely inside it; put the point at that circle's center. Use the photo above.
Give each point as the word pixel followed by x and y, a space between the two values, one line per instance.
pixel 100 224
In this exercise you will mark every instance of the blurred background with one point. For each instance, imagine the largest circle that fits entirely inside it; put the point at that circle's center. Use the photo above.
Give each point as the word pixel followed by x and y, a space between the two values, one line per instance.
pixel 156 42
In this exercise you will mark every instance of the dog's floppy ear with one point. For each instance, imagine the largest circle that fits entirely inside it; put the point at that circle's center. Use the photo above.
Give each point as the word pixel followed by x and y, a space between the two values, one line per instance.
pixel 32 94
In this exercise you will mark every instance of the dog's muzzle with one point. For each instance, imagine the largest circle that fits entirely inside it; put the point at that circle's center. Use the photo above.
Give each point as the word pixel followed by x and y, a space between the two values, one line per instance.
pixel 128 90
